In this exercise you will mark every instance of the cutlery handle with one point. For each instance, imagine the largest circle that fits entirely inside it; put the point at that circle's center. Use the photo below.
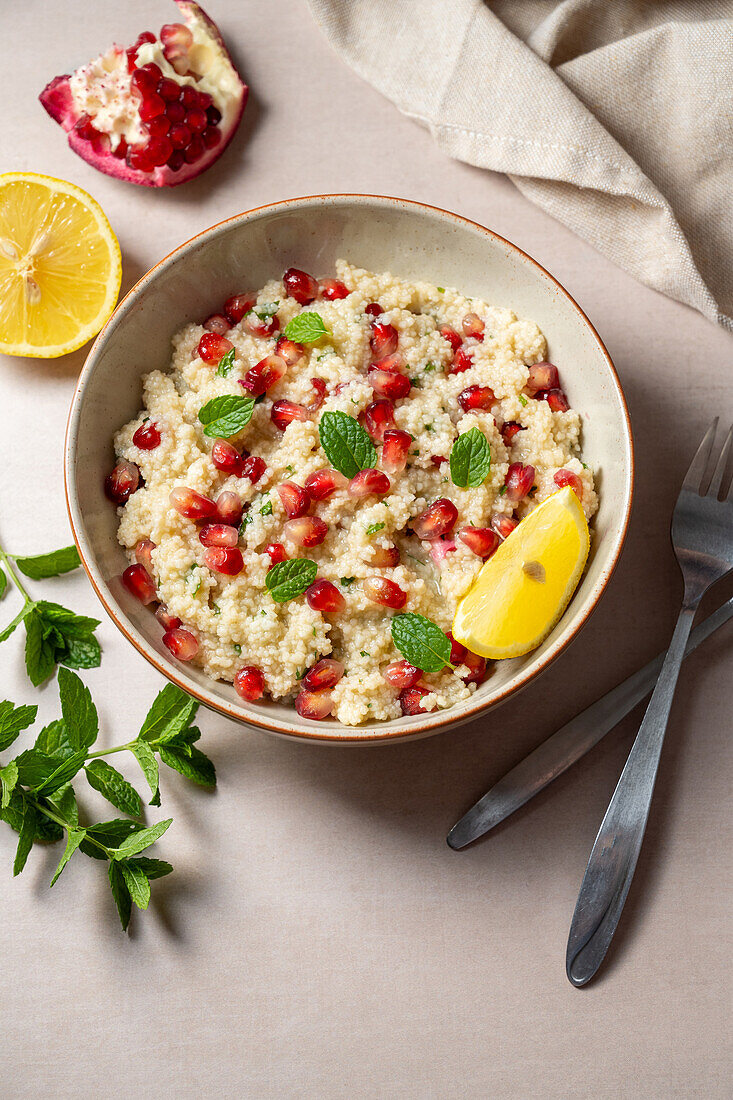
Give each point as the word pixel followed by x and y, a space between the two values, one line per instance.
pixel 616 849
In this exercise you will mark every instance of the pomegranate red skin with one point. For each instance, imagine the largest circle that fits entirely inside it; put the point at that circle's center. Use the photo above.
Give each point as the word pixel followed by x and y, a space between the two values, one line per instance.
pixel 439 519
pixel 249 683
pixel 122 482
pixel 139 583
pixel 324 596
pixel 181 643
pixel 224 559
pixel 401 674
pixel 567 477
pixel 411 700
pixel 300 285
pixel 147 437
pixel 56 98
pixel 325 673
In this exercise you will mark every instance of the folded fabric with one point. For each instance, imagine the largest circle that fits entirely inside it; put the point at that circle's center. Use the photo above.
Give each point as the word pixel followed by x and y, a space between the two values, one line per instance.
pixel 615 118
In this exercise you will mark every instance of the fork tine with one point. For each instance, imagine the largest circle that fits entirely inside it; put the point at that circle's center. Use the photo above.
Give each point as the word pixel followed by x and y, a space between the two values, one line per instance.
pixel 696 472
pixel 719 472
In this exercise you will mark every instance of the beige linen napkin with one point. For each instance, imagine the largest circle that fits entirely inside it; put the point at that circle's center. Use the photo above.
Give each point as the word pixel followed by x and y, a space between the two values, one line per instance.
pixel 615 117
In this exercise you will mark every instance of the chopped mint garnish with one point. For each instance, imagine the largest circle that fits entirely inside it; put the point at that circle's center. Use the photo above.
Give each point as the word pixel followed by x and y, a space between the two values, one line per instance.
pixel 523 401
pixel 374 527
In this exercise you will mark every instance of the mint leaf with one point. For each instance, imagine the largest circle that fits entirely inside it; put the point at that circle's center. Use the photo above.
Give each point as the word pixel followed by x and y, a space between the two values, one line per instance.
pixel 8 777
pixel 73 840
pixel 78 710
pixel 80 653
pixel 40 657
pixel 374 527
pixel 171 712
pixel 3 583
pixel 289 579
pixel 420 641
pixel 470 459
pixel 109 833
pixel 115 788
pixel 266 509
pixel 13 720
pixel 306 328
pixel 225 364
pixel 53 740
pixel 22 614
pixel 266 310
pixel 34 767
pixel 49 565
pixel 138 841
pixel 146 759
pixel 121 894
pixel 13 814
pixel 227 415
pixel 64 800
pixel 190 762
pixel 153 868
pixel 26 838
pixel 64 771
pixel 137 883
pixel 68 623
pixel 346 444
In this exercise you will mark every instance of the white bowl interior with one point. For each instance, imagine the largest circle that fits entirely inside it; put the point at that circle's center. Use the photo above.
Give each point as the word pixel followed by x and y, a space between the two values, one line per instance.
pixel 412 241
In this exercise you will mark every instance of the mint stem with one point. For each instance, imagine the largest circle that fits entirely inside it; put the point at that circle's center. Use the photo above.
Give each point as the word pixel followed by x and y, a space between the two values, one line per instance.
pixel 14 576
pixel 60 821
pixel 108 752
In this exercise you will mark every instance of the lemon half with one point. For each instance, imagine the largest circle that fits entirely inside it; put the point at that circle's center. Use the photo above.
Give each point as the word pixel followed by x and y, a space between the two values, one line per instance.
pixel 60 266
pixel 521 592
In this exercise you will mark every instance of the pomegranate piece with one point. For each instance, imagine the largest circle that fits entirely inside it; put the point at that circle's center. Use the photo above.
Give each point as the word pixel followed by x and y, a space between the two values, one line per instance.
pixel 181 643
pixel 315 705
pixel 306 530
pixel 144 554
pixel 503 525
pixel 249 683
pixel 386 378
pixel 542 376
pixel 191 504
pixel 556 399
pixel 113 99
pixel 384 557
pixel 438 460
pixel 373 310
pixel 411 700
pixel 139 583
pixel 439 519
pixel 300 285
pixel 383 340
pixel 225 456
pixel 451 336
pixel 476 397
pixel 261 326
pixel 122 482
pixel 264 375
pixel 462 361
pixel 324 596
pixel 295 499
pixel 567 477
pixel 332 290
pixel 472 325
pixel 290 351
pixel 324 483
pixel 239 304
pixel 457 651
pixel 229 509
pixel 212 347
pixel 395 448
pixel 440 548
pixel 166 620
pixel 477 668
pixel 401 675
pixel 385 592
pixel 285 412
pixel 319 385
pixel 218 534
pixel 217 323
pixel 224 559
pixel 253 467
pixel 326 673
pixel 508 430
pixel 367 483
pixel 519 480
pixel 147 437
pixel 482 541
pixel 276 553
pixel 378 416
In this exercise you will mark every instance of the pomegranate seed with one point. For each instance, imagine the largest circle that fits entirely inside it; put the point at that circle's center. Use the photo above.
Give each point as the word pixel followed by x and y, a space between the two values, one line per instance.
pixel 472 325
pixel 288 350
pixel 181 643
pixel 319 385
pixel 176 112
pixel 503 525
pixel 159 150
pixel 461 361
pixel 388 382
pixel 315 705
pixel 191 504
pixel 121 150
pixel 143 82
pixel 411 699
pixel 168 89
pixel 557 400
pixel 451 336
pixel 218 534
pixel 147 436
pixel 176 160
pixel 326 673
pixel 367 483
pixel 249 683
pixel 324 596
pixel 476 397
pixel 151 106
pixel 122 482
pixel 196 120
pixel 384 557
pixel 177 40
pixel 253 467
pixel 211 137
pixel 225 457
pixel 332 290
pixel 394 452
pixel 457 651
pixel 300 285
pixel 378 416
pixel 144 554
pixel 373 309
pixel 295 499
pixel 285 412
pixel 382 591
pixel 239 304
pixel 519 480
pixel 436 520
pixel 179 137
pixel 324 483
pixel 189 97
pixel 166 620
pixel 482 541
pixel 138 159
pixel 306 530
pixel 383 340
pixel 217 323
pixel 224 559
pixel 213 114
pixel 438 460
pixel 477 668
pixel 264 375
pixel 567 477
pixel 440 548
pixel 194 150
pixel 508 430
pixel 542 376
pixel 212 347
pixel 153 72
pixel 139 583
pixel 229 509
pixel 401 674
pixel 159 127
pixel 256 326
pixel 276 553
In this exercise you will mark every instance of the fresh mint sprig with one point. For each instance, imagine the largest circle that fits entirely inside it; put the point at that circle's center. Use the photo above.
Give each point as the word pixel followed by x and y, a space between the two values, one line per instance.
pixel 306 328
pixel 470 459
pixel 421 642
pixel 347 445
pixel 289 579
pixel 225 416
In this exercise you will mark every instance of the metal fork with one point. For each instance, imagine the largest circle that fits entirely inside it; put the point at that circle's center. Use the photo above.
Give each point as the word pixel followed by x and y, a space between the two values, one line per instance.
pixel 702 537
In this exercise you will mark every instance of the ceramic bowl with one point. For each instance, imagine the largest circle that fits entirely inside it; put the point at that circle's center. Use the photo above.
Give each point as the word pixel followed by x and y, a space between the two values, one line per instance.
pixel 413 241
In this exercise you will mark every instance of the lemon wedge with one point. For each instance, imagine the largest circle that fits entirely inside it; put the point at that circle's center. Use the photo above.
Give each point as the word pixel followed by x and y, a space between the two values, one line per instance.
pixel 521 592
pixel 60 266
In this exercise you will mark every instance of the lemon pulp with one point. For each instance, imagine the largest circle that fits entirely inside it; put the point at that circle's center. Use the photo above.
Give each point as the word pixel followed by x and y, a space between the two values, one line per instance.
pixel 521 592
pixel 60 267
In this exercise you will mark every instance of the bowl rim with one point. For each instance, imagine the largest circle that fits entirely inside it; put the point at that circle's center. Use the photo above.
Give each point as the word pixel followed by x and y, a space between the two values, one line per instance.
pixel 434 721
